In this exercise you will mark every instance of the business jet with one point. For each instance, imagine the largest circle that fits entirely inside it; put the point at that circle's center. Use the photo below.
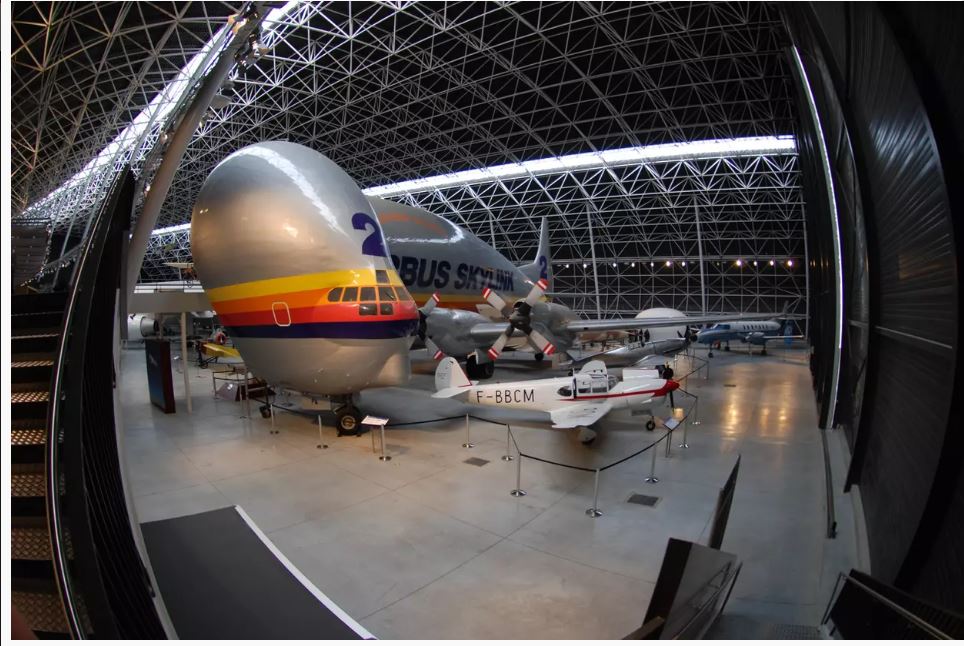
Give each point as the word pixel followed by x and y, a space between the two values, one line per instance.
pixel 577 401
pixel 750 332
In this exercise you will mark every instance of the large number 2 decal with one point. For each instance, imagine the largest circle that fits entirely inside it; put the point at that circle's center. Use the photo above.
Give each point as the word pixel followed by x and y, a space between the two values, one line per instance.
pixel 372 245
pixel 543 268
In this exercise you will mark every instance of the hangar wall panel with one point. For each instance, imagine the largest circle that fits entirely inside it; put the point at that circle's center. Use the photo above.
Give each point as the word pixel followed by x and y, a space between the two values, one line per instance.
pixel 907 448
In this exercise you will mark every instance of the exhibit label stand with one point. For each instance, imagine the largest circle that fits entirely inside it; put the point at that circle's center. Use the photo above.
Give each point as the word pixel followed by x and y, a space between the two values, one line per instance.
pixel 380 422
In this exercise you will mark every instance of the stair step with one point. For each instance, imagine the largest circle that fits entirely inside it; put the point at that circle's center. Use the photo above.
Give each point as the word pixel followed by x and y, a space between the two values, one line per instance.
pixel 33 320
pixel 24 370
pixel 35 341
pixel 30 397
pixel 30 543
pixel 28 442
pixel 28 484
pixel 41 609
pixel 24 303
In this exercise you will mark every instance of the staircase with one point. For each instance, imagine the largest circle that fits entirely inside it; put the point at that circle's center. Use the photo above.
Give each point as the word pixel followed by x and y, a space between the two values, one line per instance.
pixel 35 335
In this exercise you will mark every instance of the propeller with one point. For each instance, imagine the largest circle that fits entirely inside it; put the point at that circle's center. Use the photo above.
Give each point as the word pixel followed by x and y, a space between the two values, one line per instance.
pixel 423 313
pixel 420 331
pixel 519 318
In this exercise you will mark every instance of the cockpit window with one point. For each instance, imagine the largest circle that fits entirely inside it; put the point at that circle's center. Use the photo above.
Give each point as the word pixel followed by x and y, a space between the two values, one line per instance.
pixel 367 294
pixel 565 391
pixel 600 385
pixel 386 294
pixel 351 295
pixel 367 309
pixel 721 326
pixel 612 381
pixel 381 276
pixel 334 295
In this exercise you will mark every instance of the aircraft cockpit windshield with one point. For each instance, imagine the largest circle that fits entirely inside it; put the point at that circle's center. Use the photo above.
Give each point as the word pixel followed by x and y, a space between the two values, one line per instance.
pixel 721 326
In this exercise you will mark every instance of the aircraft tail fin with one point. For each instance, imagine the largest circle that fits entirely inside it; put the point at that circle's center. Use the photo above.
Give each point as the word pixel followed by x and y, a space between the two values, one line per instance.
pixel 541 268
pixel 450 380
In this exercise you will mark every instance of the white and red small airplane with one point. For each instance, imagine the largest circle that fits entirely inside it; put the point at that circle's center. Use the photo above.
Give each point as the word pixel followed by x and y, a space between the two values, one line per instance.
pixel 576 401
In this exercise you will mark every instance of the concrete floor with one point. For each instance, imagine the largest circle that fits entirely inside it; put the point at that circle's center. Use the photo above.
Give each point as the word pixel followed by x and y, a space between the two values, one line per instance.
pixel 427 546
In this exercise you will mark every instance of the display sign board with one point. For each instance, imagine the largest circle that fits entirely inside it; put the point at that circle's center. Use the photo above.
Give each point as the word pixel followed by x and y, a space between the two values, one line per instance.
pixel 371 420
pixel 160 381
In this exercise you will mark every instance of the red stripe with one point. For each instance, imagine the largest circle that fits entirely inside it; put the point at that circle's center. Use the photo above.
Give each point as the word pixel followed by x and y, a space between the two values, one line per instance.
pixel 549 349
pixel 435 297
pixel 438 355
pixel 542 284
pixel 493 353
pixel 486 292
pixel 612 396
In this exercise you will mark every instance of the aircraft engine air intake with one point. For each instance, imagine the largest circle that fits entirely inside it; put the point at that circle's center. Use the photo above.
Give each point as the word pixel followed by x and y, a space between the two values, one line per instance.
pixel 294 262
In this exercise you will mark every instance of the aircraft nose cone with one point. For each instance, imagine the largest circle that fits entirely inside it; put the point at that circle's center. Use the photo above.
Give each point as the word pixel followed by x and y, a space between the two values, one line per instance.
pixel 672 384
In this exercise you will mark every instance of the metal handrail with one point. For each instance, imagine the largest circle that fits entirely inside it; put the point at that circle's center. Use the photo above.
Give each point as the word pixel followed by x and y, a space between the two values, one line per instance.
pixel 52 455
pixel 906 614
pixel 712 598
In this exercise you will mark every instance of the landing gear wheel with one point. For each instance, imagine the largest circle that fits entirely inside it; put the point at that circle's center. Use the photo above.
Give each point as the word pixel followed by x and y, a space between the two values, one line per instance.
pixel 475 370
pixel 650 425
pixel 265 411
pixel 586 436
pixel 710 355
pixel 539 356
pixel 727 348
pixel 347 420
pixel 763 353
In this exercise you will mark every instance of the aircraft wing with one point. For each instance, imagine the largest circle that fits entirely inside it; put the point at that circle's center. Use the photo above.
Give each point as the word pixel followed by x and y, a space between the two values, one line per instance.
pixel 486 333
pixel 605 325
pixel 580 414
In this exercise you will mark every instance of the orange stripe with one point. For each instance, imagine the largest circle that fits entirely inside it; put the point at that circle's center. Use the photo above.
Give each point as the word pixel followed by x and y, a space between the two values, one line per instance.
pixel 328 313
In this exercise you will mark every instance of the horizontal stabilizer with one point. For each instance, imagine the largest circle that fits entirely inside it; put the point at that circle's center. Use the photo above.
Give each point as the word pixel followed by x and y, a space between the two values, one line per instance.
pixel 452 393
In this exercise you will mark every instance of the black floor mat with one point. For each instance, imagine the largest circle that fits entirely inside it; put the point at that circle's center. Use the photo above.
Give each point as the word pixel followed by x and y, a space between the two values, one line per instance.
pixel 220 581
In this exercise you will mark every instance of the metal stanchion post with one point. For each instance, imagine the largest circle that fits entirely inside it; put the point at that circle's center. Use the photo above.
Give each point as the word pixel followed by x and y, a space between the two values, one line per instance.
pixel 271 409
pixel 669 437
pixel 652 469
pixel 383 457
pixel 518 491
pixel 595 511
pixel 508 449
pixel 214 386
pixel 321 435
pixel 684 445
pixel 468 444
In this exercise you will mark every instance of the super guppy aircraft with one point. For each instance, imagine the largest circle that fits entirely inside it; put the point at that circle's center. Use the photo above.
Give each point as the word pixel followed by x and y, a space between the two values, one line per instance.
pixel 295 264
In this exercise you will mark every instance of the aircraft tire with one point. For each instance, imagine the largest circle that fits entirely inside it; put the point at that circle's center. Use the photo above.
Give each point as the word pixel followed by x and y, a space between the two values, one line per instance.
pixel 473 370
pixel 347 420
pixel 488 369
pixel 650 425
pixel 763 352
pixel 710 355
pixel 539 356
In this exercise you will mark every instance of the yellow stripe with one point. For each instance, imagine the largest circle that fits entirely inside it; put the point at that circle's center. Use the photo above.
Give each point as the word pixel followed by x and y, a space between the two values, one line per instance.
pixel 304 282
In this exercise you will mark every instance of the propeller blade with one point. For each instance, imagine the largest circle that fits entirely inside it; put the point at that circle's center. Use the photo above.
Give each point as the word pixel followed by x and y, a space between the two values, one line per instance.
pixel 429 304
pixel 493 299
pixel 541 343
pixel 496 348
pixel 536 292
pixel 434 350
